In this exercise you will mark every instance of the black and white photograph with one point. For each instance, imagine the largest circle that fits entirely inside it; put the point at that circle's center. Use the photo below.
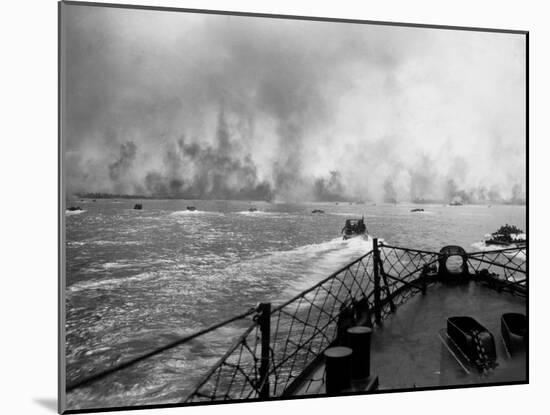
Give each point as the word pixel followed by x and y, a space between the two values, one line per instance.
pixel 259 207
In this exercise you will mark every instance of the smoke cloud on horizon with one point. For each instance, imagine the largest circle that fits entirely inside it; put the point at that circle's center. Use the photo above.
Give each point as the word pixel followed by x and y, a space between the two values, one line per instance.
pixel 223 107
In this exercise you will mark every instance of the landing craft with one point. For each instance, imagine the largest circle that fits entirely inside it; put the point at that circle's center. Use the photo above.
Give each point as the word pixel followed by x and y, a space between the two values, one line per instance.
pixel 354 227
pixel 508 236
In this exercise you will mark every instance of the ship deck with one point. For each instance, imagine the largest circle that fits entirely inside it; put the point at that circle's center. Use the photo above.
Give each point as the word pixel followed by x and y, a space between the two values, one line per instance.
pixel 409 351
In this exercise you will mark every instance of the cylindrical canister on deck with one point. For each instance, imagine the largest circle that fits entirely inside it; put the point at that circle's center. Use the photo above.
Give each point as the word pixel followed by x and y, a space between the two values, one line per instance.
pixel 358 339
pixel 338 369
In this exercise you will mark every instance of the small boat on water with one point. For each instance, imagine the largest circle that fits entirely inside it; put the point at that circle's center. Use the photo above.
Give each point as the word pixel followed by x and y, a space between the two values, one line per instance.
pixel 507 235
pixel 353 228
pixel 317 211
pixel 191 208
pixel 417 210
pixel 252 209
pixel 138 206
pixel 73 208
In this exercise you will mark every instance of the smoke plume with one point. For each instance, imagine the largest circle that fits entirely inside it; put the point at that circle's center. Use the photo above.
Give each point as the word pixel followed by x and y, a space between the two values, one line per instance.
pixel 124 161
pixel 207 106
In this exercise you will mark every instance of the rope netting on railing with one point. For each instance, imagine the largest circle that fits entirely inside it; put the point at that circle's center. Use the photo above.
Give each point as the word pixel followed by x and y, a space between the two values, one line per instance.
pixel 236 375
pixel 507 266
pixel 401 269
pixel 301 329
pixel 305 326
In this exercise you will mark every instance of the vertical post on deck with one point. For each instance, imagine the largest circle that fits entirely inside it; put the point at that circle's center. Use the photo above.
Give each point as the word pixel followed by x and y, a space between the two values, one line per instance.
pixel 376 262
pixel 337 369
pixel 264 310
pixel 359 340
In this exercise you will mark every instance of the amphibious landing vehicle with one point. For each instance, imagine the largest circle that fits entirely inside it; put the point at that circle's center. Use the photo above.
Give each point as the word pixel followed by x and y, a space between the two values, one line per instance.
pixel 353 228
pixel 507 235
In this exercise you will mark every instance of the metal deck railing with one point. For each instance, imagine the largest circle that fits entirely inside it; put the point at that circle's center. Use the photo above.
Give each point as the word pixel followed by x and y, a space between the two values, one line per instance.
pixel 278 351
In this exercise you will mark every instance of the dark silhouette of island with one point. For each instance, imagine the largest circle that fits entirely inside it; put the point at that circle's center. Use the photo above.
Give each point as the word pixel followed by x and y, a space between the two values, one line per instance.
pixel 170 196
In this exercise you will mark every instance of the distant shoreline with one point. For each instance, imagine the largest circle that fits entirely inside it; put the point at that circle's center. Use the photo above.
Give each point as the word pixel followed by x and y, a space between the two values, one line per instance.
pixel 343 202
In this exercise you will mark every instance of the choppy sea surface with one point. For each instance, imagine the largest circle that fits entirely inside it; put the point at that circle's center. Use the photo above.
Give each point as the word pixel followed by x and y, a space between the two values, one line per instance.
pixel 138 279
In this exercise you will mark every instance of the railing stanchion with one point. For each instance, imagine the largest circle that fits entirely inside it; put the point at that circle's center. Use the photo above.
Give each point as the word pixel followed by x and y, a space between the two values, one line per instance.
pixel 265 328
pixel 376 264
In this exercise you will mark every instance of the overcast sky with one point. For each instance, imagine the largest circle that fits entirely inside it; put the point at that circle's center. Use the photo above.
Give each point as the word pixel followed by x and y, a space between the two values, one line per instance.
pixel 211 106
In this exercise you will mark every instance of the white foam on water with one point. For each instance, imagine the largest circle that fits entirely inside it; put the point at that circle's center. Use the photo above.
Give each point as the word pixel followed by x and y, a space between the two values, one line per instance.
pixel 321 260
pixel 297 268
pixel 311 248
pixel 75 243
pixel 110 243
pixel 106 283
pixel 265 215
pixel 521 255
pixel 96 351
pixel 74 212
pixel 482 246
pixel 338 246
pixel 260 213
pixel 351 215
pixel 194 212
pixel 102 243
pixel 117 265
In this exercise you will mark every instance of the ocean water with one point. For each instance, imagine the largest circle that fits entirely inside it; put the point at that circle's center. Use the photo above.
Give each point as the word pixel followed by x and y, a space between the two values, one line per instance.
pixel 138 279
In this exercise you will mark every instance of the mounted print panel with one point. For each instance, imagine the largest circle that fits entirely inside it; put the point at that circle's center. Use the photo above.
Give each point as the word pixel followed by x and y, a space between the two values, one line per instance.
pixel 259 207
